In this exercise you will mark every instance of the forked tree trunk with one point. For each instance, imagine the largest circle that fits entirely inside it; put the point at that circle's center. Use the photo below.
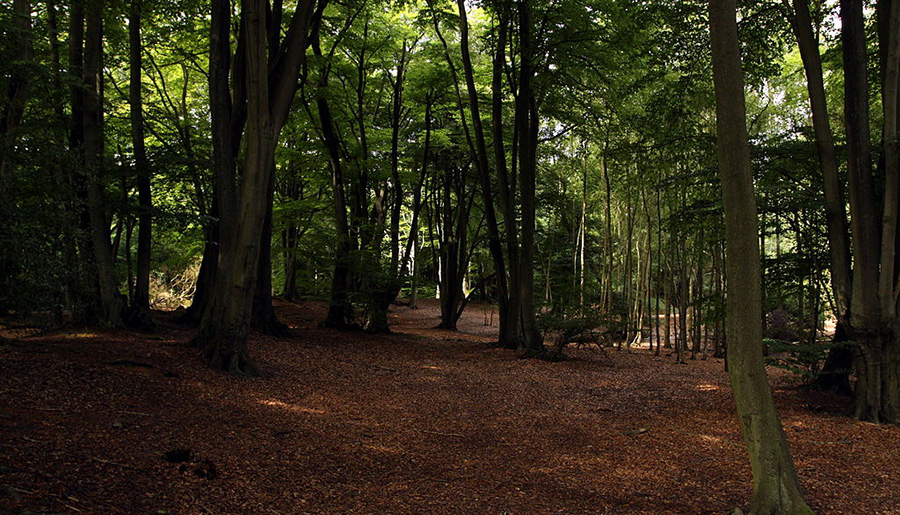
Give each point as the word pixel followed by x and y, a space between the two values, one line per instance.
pixel 224 330
pixel 776 488
pixel 873 304
pixel 509 326
pixel 268 83
pixel 836 372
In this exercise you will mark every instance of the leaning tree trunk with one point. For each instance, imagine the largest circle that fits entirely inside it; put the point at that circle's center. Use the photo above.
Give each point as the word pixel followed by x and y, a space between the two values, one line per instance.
pixel 775 482
pixel 508 318
pixel 835 376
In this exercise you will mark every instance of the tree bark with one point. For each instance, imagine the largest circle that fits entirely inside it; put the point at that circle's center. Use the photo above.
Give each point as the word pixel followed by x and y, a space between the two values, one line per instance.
pixel 263 318
pixel 776 486
pixel 529 124
pixel 876 396
pixel 339 312
pixel 835 376
pixel 267 80
pixel 509 309
pixel 141 299
pixel 92 122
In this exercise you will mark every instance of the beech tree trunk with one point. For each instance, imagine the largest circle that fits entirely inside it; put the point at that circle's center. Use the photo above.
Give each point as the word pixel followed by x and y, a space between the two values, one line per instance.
pixel 529 124
pixel 141 298
pixel 263 318
pixel 339 312
pixel 223 331
pixel 110 299
pixel 509 309
pixel 267 79
pixel 873 303
pixel 836 372
pixel 776 488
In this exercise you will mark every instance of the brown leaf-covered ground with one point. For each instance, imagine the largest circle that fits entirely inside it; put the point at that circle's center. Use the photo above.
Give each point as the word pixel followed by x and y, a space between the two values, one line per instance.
pixel 420 422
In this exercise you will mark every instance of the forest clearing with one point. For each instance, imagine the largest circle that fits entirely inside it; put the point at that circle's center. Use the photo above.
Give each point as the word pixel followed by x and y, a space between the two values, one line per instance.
pixel 418 421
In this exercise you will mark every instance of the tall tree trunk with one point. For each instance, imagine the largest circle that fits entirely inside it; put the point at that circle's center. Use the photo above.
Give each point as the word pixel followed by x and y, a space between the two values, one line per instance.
pixel 263 318
pixel 529 123
pixel 110 298
pixel 84 298
pixel 141 298
pixel 876 395
pixel 889 100
pixel 776 488
pixel 224 330
pixel 267 79
pixel 509 326
pixel 339 313
pixel 835 376
pixel 608 300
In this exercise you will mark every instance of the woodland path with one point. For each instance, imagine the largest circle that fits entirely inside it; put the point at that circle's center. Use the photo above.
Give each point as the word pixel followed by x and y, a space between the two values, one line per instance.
pixel 418 422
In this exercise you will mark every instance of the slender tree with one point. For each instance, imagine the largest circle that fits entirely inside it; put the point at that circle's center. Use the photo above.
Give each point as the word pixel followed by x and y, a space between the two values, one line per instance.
pixel 776 486
pixel 141 298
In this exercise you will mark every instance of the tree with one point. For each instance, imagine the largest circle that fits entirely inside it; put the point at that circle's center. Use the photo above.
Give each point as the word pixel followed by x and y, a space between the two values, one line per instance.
pixel 265 79
pixel 873 313
pixel 141 299
pixel 110 300
pixel 839 240
pixel 775 482
pixel 518 325
pixel 17 91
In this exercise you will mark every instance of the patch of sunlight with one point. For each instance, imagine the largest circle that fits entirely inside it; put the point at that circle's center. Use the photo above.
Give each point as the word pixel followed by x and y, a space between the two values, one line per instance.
pixel 382 448
pixel 707 387
pixel 81 335
pixel 713 439
pixel 291 407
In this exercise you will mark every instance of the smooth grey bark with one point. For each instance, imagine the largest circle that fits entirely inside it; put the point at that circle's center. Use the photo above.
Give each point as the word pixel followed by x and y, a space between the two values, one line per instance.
pixel 775 482
pixel 835 375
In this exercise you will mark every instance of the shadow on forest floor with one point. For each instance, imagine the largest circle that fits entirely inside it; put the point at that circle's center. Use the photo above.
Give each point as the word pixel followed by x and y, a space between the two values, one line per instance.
pixel 419 421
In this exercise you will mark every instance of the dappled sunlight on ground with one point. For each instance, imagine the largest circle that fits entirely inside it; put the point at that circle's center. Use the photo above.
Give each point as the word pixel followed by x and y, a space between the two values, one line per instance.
pixel 418 421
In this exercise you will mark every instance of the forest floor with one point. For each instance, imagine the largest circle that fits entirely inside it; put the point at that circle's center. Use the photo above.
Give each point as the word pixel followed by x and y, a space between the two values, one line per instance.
pixel 421 421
